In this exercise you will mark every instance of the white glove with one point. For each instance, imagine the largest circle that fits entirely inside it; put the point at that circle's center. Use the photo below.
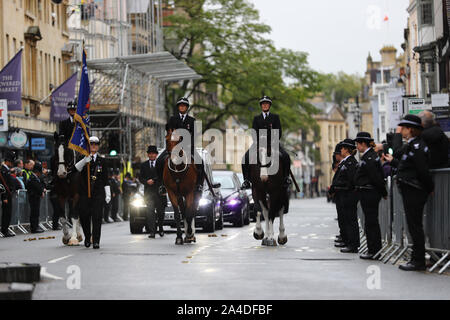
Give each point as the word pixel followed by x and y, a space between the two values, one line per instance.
pixel 80 164
pixel 107 194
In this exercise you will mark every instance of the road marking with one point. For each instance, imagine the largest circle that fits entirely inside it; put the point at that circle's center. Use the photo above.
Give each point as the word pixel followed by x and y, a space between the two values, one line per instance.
pixel 47 275
pixel 59 259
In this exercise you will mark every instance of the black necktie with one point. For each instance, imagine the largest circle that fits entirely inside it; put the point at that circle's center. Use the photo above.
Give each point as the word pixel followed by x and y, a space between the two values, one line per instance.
pixel 151 164
pixel 182 118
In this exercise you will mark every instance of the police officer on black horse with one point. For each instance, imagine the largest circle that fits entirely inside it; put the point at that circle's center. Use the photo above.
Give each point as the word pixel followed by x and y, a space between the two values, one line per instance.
pixel 100 191
pixel 7 181
pixel 66 126
pixel 182 121
pixel 155 204
pixel 415 183
pixel 269 121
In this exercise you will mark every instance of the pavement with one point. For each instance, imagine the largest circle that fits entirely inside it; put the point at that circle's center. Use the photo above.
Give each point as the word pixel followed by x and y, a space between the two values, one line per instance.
pixel 230 265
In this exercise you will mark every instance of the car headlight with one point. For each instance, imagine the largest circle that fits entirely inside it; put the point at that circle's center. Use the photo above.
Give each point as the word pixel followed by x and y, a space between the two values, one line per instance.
pixel 203 202
pixel 232 202
pixel 138 203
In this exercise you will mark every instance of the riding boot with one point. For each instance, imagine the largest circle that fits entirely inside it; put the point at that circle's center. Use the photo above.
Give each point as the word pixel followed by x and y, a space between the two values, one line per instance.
pixel 159 171
pixel 245 172
pixel 200 179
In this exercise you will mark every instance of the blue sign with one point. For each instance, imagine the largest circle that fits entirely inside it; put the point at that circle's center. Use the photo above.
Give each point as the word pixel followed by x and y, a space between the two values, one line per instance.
pixel 38 144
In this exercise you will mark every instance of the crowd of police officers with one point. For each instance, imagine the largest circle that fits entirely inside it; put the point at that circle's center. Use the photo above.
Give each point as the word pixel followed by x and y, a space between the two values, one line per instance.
pixel 364 181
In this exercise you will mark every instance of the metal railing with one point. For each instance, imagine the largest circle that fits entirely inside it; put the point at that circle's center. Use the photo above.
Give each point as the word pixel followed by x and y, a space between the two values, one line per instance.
pixel 394 230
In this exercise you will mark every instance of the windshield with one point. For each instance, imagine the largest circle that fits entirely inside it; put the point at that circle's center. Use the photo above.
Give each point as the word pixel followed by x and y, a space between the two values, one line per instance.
pixel 225 181
pixel 241 177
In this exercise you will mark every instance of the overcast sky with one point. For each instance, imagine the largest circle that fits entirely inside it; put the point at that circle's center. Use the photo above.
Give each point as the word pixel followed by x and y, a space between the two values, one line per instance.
pixel 337 34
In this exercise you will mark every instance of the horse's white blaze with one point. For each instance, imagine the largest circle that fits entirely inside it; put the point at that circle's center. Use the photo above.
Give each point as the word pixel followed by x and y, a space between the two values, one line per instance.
pixel 61 168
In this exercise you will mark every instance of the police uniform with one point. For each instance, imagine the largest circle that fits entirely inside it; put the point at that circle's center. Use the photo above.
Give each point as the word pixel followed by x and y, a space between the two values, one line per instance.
pixel 154 201
pixel 181 121
pixel 35 190
pixel 8 183
pixel 370 186
pixel 107 206
pixel 268 121
pixel 91 208
pixel 346 201
pixel 66 126
pixel 415 183
pixel 340 238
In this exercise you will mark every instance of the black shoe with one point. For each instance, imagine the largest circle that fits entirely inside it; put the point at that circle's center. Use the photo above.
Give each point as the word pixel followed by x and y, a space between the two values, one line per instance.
pixel 38 230
pixel 125 218
pixel 246 185
pixel 96 246
pixel 87 243
pixel 413 266
pixel 338 238
pixel 367 256
pixel 151 235
pixel 161 232
pixel 162 190
pixel 56 228
pixel 349 250
pixel 340 245
pixel 8 234
pixel 116 220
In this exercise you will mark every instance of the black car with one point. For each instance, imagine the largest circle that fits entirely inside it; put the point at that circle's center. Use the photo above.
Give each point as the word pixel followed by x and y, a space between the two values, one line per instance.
pixel 209 214
pixel 138 211
pixel 234 201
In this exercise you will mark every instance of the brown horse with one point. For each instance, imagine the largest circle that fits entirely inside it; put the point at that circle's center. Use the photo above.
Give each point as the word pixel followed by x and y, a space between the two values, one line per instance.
pixel 270 196
pixel 179 180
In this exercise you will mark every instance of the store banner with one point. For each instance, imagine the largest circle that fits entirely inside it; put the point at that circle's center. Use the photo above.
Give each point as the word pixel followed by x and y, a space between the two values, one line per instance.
pixel 61 97
pixel 4 115
pixel 11 82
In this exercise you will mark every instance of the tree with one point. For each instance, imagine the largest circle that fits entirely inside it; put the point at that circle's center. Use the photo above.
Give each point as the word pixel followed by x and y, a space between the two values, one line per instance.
pixel 224 42
pixel 341 86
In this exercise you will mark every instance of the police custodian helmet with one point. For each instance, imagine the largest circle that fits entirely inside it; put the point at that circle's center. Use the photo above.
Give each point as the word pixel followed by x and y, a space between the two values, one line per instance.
pixel 265 99
pixel 183 100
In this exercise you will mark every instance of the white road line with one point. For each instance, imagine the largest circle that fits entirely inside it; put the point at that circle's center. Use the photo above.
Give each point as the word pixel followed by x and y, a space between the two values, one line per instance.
pixel 59 259
pixel 45 274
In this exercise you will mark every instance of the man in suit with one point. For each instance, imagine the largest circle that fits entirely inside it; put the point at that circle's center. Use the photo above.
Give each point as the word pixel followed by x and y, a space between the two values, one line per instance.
pixel 151 181
pixel 8 183
pixel 91 207
pixel 182 121
pixel 269 121
pixel 66 126
pixel 115 189
pixel 35 190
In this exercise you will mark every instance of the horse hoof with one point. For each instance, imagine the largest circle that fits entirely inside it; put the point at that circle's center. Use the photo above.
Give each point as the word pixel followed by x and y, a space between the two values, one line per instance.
pixel 271 243
pixel 73 242
pixel 65 240
pixel 80 238
pixel 264 242
pixel 190 239
pixel 179 241
pixel 258 236
pixel 282 241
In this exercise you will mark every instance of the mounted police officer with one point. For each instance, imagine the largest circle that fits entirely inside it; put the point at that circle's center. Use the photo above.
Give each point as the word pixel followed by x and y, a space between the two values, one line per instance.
pixel 370 186
pixel 155 204
pixel 100 191
pixel 269 121
pixel 415 183
pixel 35 191
pixel 66 126
pixel 8 183
pixel 182 121
pixel 346 202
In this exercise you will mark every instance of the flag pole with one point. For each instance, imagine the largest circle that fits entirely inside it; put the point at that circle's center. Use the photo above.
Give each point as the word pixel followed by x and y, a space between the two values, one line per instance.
pixel 89 146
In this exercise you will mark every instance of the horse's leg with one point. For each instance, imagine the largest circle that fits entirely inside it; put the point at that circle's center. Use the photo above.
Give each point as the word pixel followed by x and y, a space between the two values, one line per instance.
pixel 176 210
pixel 63 220
pixel 76 218
pixel 282 237
pixel 258 233
pixel 189 219
pixel 266 218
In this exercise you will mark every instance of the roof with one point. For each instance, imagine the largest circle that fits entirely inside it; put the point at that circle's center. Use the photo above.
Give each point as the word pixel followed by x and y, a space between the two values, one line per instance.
pixel 163 66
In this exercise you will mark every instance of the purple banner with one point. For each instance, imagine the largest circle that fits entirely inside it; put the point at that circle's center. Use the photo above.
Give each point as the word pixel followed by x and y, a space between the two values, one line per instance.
pixel 61 97
pixel 11 82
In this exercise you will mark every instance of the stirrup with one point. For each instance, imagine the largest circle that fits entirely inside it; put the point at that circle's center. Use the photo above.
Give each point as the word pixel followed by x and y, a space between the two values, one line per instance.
pixel 246 185
pixel 199 188
pixel 162 190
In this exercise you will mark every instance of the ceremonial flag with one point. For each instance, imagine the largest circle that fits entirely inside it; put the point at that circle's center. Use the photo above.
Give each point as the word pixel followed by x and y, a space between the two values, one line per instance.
pixel 80 136
pixel 61 97
pixel 11 82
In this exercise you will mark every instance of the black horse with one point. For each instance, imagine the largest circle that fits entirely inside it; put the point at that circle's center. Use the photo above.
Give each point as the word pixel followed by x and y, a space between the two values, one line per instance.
pixel 269 196
pixel 66 181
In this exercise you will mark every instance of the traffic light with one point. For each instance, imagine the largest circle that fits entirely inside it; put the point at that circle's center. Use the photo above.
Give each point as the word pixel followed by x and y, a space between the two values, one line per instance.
pixel 113 153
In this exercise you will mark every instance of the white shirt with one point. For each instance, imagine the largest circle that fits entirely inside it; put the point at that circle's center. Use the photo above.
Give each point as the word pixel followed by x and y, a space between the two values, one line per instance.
pixel 94 157
pixel 344 159
pixel 152 163
pixel 71 119
pixel 182 116
pixel 265 115
pixel 366 151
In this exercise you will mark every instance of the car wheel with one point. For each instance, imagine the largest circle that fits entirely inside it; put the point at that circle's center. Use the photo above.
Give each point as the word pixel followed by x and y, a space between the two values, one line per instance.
pixel 219 224
pixel 136 228
pixel 210 223
pixel 247 216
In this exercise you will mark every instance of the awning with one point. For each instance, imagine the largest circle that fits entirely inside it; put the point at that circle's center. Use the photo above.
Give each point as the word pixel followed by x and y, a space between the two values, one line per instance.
pixel 163 66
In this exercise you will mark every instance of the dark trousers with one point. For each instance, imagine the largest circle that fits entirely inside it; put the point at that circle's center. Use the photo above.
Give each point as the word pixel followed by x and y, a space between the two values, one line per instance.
pixel 6 214
pixel 414 201
pixel 91 213
pixel 155 212
pixel 348 201
pixel 285 160
pixel 340 216
pixel 126 207
pixel 114 207
pixel 370 200
pixel 35 205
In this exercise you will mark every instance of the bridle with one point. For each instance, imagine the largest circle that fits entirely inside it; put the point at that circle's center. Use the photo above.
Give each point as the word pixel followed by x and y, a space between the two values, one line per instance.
pixel 172 166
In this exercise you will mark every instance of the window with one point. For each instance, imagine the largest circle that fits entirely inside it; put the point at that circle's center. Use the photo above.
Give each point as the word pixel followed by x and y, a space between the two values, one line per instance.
pixel 382 99
pixel 7 48
pixel 426 12
pixel 329 134
pixel 335 133
pixel 383 124
pixel 394 106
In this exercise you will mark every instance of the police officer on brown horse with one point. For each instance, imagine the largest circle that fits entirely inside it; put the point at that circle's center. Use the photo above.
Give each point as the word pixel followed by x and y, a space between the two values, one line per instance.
pixel 269 121
pixel 182 121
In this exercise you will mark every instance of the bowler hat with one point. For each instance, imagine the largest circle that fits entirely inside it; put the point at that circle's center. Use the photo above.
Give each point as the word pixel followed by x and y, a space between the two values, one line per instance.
pixel 152 149
pixel 348 143
pixel 363 137
pixel 337 149
pixel 411 120
pixel 10 156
